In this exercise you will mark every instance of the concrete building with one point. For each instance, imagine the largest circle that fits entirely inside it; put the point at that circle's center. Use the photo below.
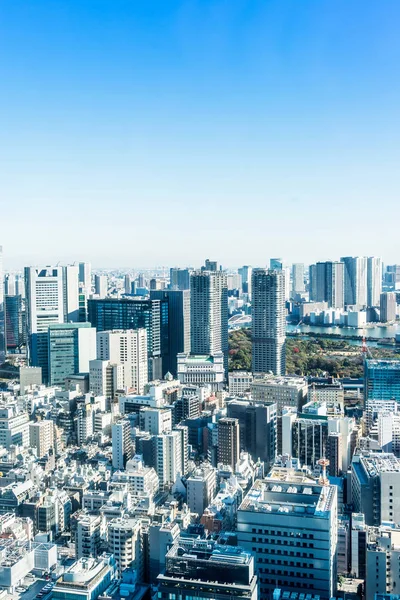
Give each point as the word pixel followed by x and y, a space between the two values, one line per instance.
pixel 41 437
pixel 14 334
pixel 204 569
pixel 140 479
pixel 171 455
pixel 89 531
pixel 268 322
pixel 209 314
pixel 179 279
pixel 71 346
pixel 124 543
pixel 239 382
pixel 17 559
pixel 330 283
pixel 14 427
pixel 101 286
pixel 85 579
pixel 155 420
pixel 70 275
pixel 105 377
pixel 382 561
pixel 85 277
pixel 128 348
pixel 228 442
pixel 29 377
pixel 355 280
pixel 161 538
pixel 388 307
pixel 358 545
pixel 202 370
pixel 375 486
pixel 374 280
pixel 201 488
pixel 246 274
pixel 121 444
pixel 289 523
pixel 298 286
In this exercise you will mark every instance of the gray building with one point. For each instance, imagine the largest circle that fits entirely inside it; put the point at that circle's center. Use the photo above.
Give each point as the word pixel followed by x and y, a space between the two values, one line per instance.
pixel 228 442
pixel 268 322
pixel 298 278
pixel 289 523
pixel 209 314
pixel 197 568
pixel 355 280
pixel 330 283
pixel 388 306
pixel 374 280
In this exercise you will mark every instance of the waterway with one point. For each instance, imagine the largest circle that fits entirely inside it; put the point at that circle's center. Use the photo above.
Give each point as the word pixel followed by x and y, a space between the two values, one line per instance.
pixel 370 331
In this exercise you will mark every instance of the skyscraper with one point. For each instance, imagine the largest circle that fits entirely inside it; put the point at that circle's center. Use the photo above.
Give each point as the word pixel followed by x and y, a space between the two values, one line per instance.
pixel 121 444
pixel 298 278
pixel 246 272
pixel 355 280
pixel 2 334
pixel 268 322
pixel 85 277
pixel 228 441
pixel 71 293
pixel 178 325
pixel 44 306
pixel 209 313
pixel 330 283
pixel 374 280
pixel 381 380
pixel 312 285
pixel 101 285
pixel 134 313
pixel 388 306
pixel 13 323
pixel 276 264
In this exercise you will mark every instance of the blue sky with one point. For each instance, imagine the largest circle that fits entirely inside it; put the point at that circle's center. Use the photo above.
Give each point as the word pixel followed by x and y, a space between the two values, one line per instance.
pixel 144 132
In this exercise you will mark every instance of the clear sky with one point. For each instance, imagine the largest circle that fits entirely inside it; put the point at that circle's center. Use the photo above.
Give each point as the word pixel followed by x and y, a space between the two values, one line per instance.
pixel 159 132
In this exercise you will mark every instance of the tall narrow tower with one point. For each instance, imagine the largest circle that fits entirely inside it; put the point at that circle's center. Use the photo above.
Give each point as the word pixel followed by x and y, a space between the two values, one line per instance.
pixel 268 322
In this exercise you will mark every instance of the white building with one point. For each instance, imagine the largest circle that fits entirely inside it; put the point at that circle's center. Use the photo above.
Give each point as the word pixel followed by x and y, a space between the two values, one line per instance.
pixel 105 377
pixel 124 542
pixel 85 579
pixel 101 285
pixel 85 277
pixel 202 370
pixel 239 382
pixel 155 420
pixel 141 479
pixel 289 524
pixel 90 529
pixel 201 488
pixel 128 348
pixel 14 427
pixel 382 561
pixel 41 437
pixel 121 444
pixel 170 455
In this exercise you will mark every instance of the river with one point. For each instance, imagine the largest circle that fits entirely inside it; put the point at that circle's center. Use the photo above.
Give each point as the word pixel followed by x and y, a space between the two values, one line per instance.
pixel 370 331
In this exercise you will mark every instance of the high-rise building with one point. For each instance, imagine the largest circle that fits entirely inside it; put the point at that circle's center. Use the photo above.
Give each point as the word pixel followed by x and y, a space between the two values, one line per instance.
pixel 121 444
pixel 246 273
pixel 312 282
pixel 128 348
pixel 201 488
pixel 209 314
pixel 9 285
pixel 171 454
pixel 276 264
pixel 135 313
pixel 381 380
pixel 101 285
pixel 196 568
pixel 210 265
pixel 41 437
pixel 89 531
pixel 85 277
pixel 330 283
pixel 268 322
pixel 388 306
pixel 228 441
pixel 71 293
pixel 2 334
pixel 298 278
pixel 71 346
pixel 382 559
pixel 179 279
pixel 374 280
pixel 44 306
pixel 355 280
pixel 14 337
pixel 289 523
pixel 105 377
pixel 178 325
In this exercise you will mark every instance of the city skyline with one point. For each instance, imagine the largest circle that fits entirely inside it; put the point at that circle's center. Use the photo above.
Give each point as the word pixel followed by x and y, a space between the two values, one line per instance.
pixel 263 116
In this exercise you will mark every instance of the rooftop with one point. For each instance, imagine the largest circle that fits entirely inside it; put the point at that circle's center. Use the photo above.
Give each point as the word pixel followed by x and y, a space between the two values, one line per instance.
pixel 378 462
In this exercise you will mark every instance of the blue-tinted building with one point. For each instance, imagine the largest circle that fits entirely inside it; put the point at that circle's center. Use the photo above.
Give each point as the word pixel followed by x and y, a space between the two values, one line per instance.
pixel 71 346
pixel 132 313
pixel 382 380
pixel 13 322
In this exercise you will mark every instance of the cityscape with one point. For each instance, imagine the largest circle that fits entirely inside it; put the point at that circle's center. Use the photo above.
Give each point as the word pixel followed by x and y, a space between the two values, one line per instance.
pixel 199 300
pixel 140 459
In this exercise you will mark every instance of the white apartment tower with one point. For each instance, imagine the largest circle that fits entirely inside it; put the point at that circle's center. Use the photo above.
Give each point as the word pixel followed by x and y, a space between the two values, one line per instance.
pixel 268 322
pixel 298 286
pixel 121 444
pixel 128 348
pixel 41 437
pixel 355 280
pixel 374 280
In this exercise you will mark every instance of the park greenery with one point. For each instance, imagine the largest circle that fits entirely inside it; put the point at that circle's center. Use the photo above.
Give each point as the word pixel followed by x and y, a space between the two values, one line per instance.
pixel 308 356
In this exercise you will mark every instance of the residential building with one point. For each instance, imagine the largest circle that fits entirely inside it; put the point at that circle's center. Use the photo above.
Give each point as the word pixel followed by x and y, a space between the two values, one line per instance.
pixel 101 286
pixel 71 346
pixel 179 279
pixel 201 488
pixel 89 531
pixel 124 543
pixel 276 264
pixel 121 443
pixel 312 282
pixel 298 286
pixel 14 427
pixel 209 314
pixel 246 273
pixel 330 283
pixel 198 568
pixel 105 377
pixel 268 322
pixel 355 280
pixel 41 437
pixel 374 280
pixel 129 348
pixel 289 523
pixel 70 276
